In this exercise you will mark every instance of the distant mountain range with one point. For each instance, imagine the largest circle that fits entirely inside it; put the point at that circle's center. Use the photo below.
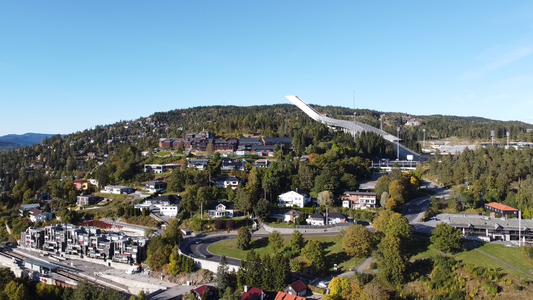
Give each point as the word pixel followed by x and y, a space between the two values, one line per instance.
pixel 15 141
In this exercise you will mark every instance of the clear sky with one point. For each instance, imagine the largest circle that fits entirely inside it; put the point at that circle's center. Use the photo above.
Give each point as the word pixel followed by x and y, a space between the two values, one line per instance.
pixel 70 65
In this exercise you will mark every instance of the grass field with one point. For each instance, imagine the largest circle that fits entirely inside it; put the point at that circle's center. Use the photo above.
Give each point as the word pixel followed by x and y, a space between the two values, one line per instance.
pixel 332 245
pixel 512 256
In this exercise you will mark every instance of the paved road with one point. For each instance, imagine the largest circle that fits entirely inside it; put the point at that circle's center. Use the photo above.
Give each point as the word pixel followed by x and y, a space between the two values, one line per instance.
pixel 414 210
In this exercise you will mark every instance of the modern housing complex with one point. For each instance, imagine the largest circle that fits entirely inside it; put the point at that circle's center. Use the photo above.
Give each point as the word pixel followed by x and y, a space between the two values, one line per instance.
pixel 199 141
pixel 85 241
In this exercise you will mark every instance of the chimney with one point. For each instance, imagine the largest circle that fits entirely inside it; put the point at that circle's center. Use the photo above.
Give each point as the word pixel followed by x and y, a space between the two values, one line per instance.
pixel 246 289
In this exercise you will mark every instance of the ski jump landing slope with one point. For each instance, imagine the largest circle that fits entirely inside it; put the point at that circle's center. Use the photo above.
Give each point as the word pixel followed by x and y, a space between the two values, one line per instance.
pixel 353 127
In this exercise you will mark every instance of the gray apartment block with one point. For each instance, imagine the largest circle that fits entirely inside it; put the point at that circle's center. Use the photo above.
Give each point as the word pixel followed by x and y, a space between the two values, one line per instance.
pixel 85 241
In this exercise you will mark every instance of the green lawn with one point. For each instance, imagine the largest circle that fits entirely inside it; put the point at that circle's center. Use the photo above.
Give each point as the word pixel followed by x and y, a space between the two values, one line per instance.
pixel 333 247
pixel 509 255
pixel 512 256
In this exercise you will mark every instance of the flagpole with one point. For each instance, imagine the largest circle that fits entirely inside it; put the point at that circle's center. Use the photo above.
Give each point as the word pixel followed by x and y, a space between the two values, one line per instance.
pixel 519 228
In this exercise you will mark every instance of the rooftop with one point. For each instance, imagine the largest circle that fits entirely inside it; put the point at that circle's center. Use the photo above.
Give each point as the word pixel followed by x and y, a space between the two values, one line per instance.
pixel 500 206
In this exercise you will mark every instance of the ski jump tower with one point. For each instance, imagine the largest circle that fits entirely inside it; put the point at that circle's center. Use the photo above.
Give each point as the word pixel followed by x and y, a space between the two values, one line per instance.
pixel 349 126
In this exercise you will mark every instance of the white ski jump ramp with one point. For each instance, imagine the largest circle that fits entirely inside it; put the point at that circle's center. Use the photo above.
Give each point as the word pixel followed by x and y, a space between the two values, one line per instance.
pixel 353 127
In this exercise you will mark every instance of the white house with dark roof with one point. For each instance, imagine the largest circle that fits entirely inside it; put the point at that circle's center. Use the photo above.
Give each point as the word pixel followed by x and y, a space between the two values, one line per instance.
pixel 117 189
pixel 292 198
pixel 316 219
pixel 221 210
pixel 228 181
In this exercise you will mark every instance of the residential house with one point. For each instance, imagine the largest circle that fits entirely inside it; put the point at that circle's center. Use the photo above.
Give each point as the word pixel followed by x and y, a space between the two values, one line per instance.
pixel 114 189
pixel 285 296
pixel 159 168
pixel 27 207
pixel 42 197
pixel 169 210
pixel 261 163
pixel 210 291
pixel 282 141
pixel 294 198
pixel 316 219
pixel 78 184
pixel 336 218
pixel 87 200
pixel 232 165
pixel 359 200
pixel 501 209
pixel 254 294
pixel 263 150
pixel 298 288
pixel 37 215
pixel 199 164
pixel 155 186
pixel 221 210
pixel 228 181
pixel 292 215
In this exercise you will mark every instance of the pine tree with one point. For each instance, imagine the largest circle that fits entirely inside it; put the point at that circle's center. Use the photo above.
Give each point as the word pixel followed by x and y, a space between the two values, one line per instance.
pixel 222 279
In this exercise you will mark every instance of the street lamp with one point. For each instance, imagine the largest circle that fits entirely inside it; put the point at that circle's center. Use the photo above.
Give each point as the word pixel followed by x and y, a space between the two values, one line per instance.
pixel 424 144
pixel 398 143
pixel 354 113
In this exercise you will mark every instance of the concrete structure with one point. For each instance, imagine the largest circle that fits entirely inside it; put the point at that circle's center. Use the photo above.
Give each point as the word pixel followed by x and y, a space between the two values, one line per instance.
pixel 503 210
pixel 117 189
pixel 292 198
pixel 359 200
pixel 490 229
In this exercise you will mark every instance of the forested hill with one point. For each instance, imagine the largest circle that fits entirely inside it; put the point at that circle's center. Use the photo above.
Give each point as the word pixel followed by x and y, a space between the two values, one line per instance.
pixel 272 120
pixel 15 141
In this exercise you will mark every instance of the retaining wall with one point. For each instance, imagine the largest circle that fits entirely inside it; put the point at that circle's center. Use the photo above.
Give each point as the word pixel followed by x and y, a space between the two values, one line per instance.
pixel 310 229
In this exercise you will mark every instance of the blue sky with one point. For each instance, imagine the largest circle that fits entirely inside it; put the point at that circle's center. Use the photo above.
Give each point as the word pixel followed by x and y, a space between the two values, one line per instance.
pixel 68 66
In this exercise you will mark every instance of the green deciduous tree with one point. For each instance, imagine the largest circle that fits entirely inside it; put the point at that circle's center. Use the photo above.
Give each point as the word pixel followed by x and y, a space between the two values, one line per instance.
pixel 325 198
pixel 392 262
pixel 262 209
pixel 357 241
pixel 314 252
pixel 446 238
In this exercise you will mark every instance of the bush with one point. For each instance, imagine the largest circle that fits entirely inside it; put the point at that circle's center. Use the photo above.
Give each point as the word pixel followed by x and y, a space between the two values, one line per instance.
pixel 230 224
pixel 219 224
pixel 317 290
